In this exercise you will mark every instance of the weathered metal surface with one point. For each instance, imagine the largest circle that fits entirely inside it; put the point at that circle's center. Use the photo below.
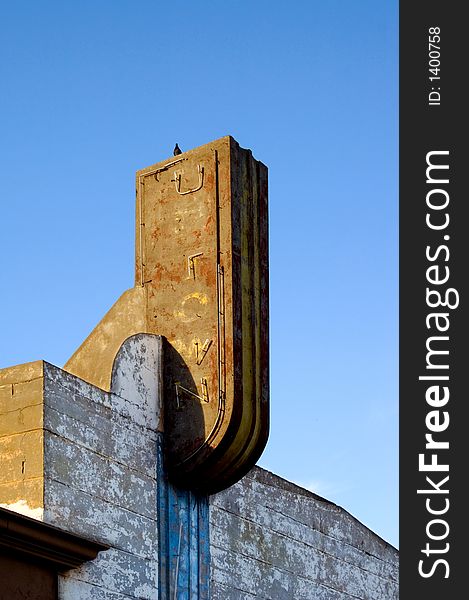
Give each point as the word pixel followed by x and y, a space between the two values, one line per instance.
pixel 202 258
pixel 202 282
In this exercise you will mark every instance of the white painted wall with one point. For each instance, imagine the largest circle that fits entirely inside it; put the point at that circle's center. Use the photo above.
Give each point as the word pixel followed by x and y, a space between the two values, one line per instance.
pixel 269 539
pixel 100 465
pixel 273 540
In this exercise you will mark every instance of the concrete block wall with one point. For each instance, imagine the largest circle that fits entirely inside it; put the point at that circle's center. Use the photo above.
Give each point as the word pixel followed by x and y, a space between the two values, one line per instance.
pixel 97 467
pixel 100 472
pixel 100 482
pixel 270 539
pixel 22 439
pixel 101 476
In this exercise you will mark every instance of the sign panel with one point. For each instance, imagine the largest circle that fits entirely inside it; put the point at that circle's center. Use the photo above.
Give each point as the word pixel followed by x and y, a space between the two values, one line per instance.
pixel 202 258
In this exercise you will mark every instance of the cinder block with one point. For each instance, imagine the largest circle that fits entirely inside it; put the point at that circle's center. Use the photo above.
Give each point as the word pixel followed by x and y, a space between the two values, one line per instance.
pixel 273 539
pixel 85 460
pixel 119 572
pixel 22 438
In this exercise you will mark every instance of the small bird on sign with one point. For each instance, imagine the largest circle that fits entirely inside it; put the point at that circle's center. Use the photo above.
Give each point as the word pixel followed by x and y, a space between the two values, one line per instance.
pixel 177 150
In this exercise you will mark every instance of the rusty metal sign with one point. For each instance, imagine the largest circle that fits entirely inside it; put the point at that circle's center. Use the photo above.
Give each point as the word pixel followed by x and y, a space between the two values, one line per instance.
pixel 202 256
pixel 201 282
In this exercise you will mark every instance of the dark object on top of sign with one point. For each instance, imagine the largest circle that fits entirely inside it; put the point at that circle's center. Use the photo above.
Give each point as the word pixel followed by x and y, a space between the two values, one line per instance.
pixel 201 281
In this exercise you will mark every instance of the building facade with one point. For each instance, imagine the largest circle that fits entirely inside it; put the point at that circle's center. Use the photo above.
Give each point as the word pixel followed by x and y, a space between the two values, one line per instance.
pixel 91 463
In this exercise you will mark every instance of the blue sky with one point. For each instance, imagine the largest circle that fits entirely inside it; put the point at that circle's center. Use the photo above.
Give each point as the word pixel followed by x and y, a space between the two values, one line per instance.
pixel 93 91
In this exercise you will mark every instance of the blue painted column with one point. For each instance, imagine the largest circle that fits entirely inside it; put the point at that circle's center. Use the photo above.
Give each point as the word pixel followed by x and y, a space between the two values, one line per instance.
pixel 184 544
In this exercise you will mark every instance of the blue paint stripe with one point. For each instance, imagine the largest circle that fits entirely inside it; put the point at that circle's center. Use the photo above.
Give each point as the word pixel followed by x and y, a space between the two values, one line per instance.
pixel 194 537
pixel 204 549
pixel 184 544
pixel 163 527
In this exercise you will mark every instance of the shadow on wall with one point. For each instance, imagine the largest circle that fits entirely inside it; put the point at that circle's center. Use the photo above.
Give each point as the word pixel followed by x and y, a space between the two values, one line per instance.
pixel 184 421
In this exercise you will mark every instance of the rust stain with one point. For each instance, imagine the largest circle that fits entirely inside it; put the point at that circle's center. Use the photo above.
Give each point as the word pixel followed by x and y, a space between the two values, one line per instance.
pixel 195 302
pixel 213 205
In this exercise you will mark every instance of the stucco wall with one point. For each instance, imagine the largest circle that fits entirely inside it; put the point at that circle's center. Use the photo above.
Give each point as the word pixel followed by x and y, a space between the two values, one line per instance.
pixel 103 479
pixel 100 472
pixel 272 539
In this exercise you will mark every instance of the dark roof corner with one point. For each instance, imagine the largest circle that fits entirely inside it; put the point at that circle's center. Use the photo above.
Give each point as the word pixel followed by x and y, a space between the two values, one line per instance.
pixel 37 541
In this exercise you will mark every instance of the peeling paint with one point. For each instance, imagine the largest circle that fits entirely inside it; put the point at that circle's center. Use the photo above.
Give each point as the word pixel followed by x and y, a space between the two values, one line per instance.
pixel 23 508
pixel 102 476
pixel 100 471
pixel 271 539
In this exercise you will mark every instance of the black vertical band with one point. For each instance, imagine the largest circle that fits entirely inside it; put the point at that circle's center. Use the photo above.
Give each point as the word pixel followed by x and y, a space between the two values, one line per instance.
pixel 433 299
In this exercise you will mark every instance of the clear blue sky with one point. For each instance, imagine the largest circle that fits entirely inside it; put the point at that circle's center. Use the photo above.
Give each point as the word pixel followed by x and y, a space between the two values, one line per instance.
pixel 93 91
